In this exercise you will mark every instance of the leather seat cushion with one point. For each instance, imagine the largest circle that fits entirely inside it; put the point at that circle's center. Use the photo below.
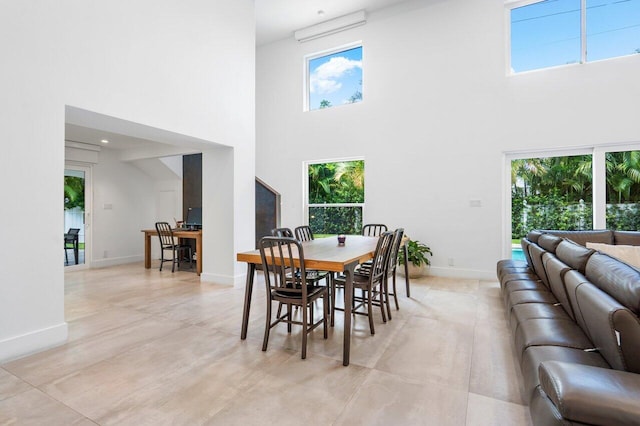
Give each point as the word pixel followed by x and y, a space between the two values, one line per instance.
pixel 550 332
pixel 530 296
pixel 527 311
pixel 534 355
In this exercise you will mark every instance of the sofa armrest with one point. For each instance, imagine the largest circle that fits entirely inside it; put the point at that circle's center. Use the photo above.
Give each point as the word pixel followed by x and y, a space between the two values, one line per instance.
pixel 592 395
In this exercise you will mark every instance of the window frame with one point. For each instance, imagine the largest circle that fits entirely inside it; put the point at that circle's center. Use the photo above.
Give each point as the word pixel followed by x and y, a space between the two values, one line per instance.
pixel 599 187
pixel 305 187
pixel 514 4
pixel 306 83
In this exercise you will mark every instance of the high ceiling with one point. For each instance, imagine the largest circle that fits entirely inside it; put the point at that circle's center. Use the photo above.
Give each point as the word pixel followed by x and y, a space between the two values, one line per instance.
pixel 275 20
pixel 278 19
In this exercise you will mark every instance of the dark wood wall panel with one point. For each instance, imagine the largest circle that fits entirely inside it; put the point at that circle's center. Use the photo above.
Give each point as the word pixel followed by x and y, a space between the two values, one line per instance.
pixel 267 210
pixel 191 182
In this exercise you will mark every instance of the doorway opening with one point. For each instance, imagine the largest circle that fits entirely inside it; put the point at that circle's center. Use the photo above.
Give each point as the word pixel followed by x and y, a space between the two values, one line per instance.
pixel 77 209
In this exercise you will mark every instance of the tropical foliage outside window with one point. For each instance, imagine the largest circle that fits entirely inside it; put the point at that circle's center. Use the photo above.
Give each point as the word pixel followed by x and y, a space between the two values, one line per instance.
pixel 334 79
pixel 336 197
pixel 73 192
pixel 556 193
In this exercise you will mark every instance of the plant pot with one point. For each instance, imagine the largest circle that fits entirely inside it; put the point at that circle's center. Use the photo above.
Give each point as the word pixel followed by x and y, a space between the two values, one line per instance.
pixel 414 271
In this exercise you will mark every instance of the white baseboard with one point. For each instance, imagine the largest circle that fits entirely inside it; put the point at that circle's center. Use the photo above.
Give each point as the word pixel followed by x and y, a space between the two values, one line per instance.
pixel 113 261
pixel 208 277
pixel 471 274
pixel 35 341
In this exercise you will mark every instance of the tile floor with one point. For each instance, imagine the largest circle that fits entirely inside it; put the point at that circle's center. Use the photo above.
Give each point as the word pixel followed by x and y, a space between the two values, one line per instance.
pixel 155 348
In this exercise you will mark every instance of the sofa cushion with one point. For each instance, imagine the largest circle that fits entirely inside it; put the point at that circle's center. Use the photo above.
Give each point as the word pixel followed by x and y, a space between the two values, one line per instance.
pixel 530 296
pixel 526 284
pixel 510 266
pixel 630 238
pixel 526 311
pixel 619 280
pixel 533 236
pixel 582 237
pixel 549 242
pixel 574 255
pixel 525 243
pixel 550 332
pixel 537 264
pixel 628 254
pixel 586 394
pixel 534 355
pixel 556 269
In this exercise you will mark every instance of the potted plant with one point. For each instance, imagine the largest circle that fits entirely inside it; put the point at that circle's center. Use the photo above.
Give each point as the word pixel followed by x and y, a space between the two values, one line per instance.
pixel 417 254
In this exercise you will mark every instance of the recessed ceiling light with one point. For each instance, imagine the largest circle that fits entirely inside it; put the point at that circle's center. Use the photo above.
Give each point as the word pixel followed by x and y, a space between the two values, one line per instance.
pixel 104 141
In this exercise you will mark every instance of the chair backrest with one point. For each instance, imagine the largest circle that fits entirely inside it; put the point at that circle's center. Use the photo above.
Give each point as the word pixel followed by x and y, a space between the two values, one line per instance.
pixel 373 229
pixel 72 235
pixel 304 233
pixel 395 248
pixel 282 232
pixel 278 256
pixel 165 233
pixel 381 256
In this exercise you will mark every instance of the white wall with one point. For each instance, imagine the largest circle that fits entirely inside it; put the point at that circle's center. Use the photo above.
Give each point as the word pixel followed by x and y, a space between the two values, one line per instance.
pixel 124 202
pixel 437 116
pixel 186 67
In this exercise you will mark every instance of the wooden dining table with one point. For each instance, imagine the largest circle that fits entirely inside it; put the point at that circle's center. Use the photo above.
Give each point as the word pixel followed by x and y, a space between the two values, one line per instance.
pixel 321 254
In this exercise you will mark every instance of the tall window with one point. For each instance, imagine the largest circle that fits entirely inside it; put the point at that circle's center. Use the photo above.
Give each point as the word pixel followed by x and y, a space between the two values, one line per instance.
pixel 335 196
pixel 556 32
pixel 551 193
pixel 334 78
pixel 558 192
pixel 623 190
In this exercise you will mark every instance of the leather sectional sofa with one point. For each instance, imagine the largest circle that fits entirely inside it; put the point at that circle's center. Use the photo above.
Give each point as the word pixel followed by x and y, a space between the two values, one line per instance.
pixel 573 313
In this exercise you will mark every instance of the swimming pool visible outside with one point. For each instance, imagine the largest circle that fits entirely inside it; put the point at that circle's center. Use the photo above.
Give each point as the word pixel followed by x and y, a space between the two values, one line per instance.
pixel 516 253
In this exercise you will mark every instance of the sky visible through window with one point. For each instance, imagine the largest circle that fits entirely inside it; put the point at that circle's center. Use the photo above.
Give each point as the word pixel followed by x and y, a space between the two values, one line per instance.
pixel 548 33
pixel 335 79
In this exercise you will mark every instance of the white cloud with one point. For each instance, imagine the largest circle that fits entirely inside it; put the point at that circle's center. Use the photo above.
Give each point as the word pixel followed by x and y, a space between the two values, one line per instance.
pixel 324 79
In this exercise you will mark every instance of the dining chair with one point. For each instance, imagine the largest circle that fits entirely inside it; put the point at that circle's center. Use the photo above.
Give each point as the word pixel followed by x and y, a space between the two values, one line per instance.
pixel 369 278
pixel 373 229
pixel 312 274
pixel 282 232
pixel 71 243
pixel 169 242
pixel 304 233
pixel 392 265
pixel 278 254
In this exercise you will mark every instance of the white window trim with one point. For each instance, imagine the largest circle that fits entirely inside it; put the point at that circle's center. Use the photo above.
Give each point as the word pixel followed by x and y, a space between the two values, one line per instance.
pixel 514 4
pixel 305 69
pixel 599 195
pixel 305 187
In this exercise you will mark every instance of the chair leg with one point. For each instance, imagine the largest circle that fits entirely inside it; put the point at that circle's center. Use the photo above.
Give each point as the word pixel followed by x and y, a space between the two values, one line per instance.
pixel 267 326
pixel 385 284
pixel 304 332
pixel 395 291
pixel 370 310
pixel 173 261
pixel 289 317
pixel 333 302
pixel 161 259
pixel 66 257
pixel 325 299
pixel 382 301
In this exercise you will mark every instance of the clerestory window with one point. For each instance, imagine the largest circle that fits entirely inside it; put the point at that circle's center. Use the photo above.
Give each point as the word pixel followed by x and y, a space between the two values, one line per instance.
pixel 557 32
